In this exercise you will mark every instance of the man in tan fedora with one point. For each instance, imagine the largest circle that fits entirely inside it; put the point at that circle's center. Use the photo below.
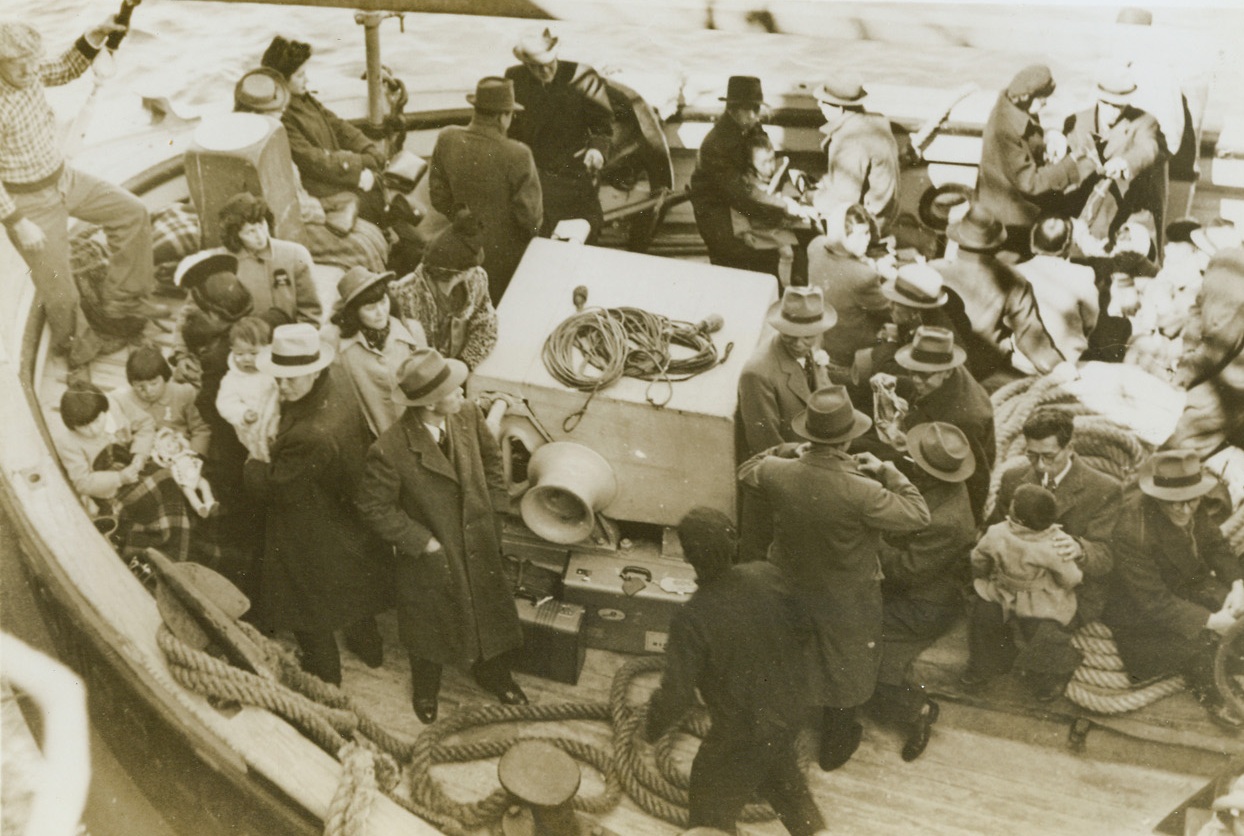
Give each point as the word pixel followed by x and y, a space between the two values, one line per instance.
pixel 830 511
pixel 433 490
pixel 567 122
pixel 925 572
pixel 999 310
pixel 321 569
pixel 774 387
pixel 480 167
pixel 1177 585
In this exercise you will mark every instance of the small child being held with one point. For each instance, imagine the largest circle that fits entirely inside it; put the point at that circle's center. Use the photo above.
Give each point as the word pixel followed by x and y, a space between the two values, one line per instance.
pixel 763 236
pixel 1026 586
pixel 248 398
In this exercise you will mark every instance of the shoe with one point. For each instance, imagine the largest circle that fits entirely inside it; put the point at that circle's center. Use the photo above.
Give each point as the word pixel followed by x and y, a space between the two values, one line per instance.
pixel 838 750
pixel 972 682
pixel 425 709
pixel 918 740
pixel 78 376
pixel 511 694
pixel 1049 691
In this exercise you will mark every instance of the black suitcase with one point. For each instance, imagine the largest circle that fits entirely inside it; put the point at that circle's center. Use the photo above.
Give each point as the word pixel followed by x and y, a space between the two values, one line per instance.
pixel 553 644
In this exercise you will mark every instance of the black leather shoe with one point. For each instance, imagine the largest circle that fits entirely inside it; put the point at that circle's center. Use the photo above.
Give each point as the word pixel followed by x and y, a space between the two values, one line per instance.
pixel 425 709
pixel 918 740
pixel 972 682
pixel 838 750
pixel 511 694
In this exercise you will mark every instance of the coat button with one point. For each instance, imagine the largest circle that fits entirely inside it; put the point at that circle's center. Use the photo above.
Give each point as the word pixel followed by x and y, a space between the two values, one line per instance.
pixel 872 645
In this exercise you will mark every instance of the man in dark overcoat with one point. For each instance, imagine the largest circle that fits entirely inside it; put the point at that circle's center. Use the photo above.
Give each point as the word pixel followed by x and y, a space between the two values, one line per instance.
pixel 1177 585
pixel 721 182
pixel 830 511
pixel 433 490
pixel 744 643
pixel 480 167
pixel 321 569
pixel 567 122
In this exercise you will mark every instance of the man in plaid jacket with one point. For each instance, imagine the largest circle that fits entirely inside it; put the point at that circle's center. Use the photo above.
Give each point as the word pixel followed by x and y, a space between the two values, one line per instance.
pixel 39 192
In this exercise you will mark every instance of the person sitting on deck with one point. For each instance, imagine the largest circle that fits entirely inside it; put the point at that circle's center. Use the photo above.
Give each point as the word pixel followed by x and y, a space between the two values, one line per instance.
pixel 1025 599
pixel 1177 585
pixel 743 642
pixel 334 157
pixel 1065 292
pixel 106 453
pixel 447 294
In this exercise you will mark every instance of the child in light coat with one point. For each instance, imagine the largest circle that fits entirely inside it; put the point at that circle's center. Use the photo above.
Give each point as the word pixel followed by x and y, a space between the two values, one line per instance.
pixel 248 398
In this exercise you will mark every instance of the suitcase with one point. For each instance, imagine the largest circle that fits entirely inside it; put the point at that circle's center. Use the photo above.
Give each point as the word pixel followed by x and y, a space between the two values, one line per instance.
pixel 630 597
pixel 552 639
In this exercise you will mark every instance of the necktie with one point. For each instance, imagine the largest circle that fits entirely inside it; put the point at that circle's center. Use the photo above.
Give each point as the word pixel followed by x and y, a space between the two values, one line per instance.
pixel 1047 482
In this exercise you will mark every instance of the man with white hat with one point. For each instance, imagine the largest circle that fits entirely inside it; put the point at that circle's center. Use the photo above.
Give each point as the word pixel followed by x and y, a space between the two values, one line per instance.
pixel 39 192
pixel 567 121
pixel 1177 585
pixel 861 152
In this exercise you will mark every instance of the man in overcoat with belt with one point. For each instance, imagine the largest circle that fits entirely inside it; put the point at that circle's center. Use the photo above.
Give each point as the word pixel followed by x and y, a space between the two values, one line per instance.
pixel 830 511
pixel 433 489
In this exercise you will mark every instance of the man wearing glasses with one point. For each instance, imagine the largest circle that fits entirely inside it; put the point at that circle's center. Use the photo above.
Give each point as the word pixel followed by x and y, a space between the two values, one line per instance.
pixel 1087 502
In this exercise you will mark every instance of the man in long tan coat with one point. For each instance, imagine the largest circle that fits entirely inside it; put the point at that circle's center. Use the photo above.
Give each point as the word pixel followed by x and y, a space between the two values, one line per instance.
pixel 830 510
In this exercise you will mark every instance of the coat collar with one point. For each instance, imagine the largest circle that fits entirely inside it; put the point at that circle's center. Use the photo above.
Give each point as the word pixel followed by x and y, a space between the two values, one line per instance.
pixel 1014 117
pixel 796 378
pixel 419 441
pixel 397 331
pixel 828 457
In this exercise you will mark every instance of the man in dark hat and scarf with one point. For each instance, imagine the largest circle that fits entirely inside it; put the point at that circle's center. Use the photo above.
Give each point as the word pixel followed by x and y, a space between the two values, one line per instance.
pixel 333 156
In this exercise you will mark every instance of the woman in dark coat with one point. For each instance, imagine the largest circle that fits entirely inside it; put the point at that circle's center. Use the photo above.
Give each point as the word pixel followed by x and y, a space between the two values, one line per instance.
pixel 434 489
pixel 321 569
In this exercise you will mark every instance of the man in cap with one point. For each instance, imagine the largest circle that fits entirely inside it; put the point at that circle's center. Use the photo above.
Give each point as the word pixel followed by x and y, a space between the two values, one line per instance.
pixel 333 156
pixel 1177 587
pixel 774 387
pixel 721 182
pixel 433 491
pixel 830 511
pixel 743 642
pixel 39 192
pixel 321 570
pixel 862 153
pixel 567 121
pixel 925 572
pixel 1000 313
pixel 1066 293
pixel 1126 149
pixel 1019 177
pixel 494 176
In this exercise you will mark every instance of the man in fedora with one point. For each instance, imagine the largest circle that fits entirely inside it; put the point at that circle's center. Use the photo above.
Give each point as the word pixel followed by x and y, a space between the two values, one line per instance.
pixel 925 573
pixel 1000 313
pixel 567 121
pixel 433 491
pixel 917 296
pixel 1126 148
pixel 774 387
pixel 720 183
pixel 830 510
pixel 1177 587
pixel 938 387
pixel 321 569
pixel 862 153
pixel 1087 501
pixel 495 177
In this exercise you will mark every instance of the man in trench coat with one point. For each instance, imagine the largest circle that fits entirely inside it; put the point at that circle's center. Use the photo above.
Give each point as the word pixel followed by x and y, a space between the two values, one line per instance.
pixel 433 489
pixel 830 510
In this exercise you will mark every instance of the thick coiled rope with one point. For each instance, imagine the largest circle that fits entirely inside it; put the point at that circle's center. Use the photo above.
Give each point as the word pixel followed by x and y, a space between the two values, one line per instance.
pixel 1101 683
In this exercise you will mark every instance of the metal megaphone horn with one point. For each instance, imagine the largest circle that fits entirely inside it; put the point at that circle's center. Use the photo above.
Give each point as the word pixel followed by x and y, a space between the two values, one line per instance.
pixel 569 484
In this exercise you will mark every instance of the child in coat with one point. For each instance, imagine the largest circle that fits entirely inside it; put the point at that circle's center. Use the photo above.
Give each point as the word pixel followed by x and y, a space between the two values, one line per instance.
pixel 248 398
pixel 778 237
pixel 1025 588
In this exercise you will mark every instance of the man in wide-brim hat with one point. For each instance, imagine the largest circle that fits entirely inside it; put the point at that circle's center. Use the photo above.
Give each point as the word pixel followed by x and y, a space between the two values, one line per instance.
pixel 1177 586
pixel 861 153
pixel 723 181
pixel 433 490
pixel 830 510
pixel 480 167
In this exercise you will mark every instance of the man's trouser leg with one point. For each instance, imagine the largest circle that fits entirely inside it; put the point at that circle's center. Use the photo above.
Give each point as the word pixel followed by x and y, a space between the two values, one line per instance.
pixel 53 276
pixel 126 223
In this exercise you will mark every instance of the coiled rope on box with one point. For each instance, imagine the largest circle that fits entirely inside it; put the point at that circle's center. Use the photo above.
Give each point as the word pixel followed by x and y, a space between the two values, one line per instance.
pixel 595 347
pixel 373 759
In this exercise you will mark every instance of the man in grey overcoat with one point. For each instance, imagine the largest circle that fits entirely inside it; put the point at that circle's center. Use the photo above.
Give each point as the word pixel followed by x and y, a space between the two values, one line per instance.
pixel 830 510
pixel 433 489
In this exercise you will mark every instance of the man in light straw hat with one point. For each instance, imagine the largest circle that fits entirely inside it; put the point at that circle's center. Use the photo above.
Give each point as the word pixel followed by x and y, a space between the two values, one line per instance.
pixel 567 121
pixel 320 570
pixel 1177 585
pixel 39 192
pixel 861 151
pixel 433 491
pixel 922 592
pixel 494 176
pixel 830 511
